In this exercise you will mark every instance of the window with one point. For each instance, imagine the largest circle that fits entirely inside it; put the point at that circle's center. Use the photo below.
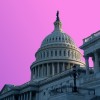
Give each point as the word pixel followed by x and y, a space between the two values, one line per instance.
pixel 33 70
pixel 47 53
pixel 51 53
pixel 56 38
pixel 64 53
pixel 44 93
pixel 52 38
pixel 41 55
pixel 60 53
pixel 68 53
pixel 44 54
pixel 55 53
pixel 62 38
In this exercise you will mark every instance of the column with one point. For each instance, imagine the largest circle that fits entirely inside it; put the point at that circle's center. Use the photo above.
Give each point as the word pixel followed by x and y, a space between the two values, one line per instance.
pixel 13 97
pixel 21 97
pixel 58 67
pixel 35 71
pixel 87 64
pixel 53 69
pixel 38 70
pixel 48 71
pixel 9 98
pixel 96 67
pixel 30 96
pixel 24 96
pixel 45 70
pixel 27 96
pixel 31 74
pixel 93 61
pixel 37 96
pixel 63 67
pixel 42 71
pixel 68 66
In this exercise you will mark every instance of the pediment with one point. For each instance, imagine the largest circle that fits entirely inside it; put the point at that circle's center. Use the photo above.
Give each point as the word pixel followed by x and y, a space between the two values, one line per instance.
pixel 6 88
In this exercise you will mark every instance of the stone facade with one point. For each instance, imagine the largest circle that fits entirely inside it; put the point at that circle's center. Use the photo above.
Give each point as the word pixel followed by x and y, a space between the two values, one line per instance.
pixel 51 73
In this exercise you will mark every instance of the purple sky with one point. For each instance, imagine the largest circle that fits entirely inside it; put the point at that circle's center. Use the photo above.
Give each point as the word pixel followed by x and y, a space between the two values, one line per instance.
pixel 25 23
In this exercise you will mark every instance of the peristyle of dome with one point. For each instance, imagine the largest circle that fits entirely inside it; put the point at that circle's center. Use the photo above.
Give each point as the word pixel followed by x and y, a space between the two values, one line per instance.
pixel 57 53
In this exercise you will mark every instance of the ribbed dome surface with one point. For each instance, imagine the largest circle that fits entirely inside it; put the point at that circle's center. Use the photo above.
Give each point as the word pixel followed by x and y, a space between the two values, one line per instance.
pixel 57 37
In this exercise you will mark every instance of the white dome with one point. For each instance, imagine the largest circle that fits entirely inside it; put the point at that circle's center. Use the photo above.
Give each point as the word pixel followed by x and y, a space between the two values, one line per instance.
pixel 57 53
pixel 57 37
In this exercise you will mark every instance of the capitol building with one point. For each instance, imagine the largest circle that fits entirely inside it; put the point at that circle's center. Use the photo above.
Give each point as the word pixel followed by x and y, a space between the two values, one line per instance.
pixel 52 75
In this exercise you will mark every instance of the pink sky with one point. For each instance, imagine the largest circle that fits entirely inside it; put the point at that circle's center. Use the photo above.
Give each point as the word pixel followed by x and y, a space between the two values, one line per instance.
pixel 25 23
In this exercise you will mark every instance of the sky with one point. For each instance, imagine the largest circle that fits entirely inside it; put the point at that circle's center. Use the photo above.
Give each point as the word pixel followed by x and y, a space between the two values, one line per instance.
pixel 25 23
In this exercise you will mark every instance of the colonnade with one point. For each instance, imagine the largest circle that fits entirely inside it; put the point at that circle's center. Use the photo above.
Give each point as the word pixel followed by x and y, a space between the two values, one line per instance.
pixel 23 96
pixel 95 58
pixel 49 69
pixel 11 97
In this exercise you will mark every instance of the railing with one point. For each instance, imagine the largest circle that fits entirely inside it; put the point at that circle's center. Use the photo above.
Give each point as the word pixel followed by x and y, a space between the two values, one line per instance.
pixel 69 89
pixel 91 37
pixel 88 78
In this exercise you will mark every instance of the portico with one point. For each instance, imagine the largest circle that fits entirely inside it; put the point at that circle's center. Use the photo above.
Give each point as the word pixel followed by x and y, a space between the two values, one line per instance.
pixel 91 47
pixel 50 68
